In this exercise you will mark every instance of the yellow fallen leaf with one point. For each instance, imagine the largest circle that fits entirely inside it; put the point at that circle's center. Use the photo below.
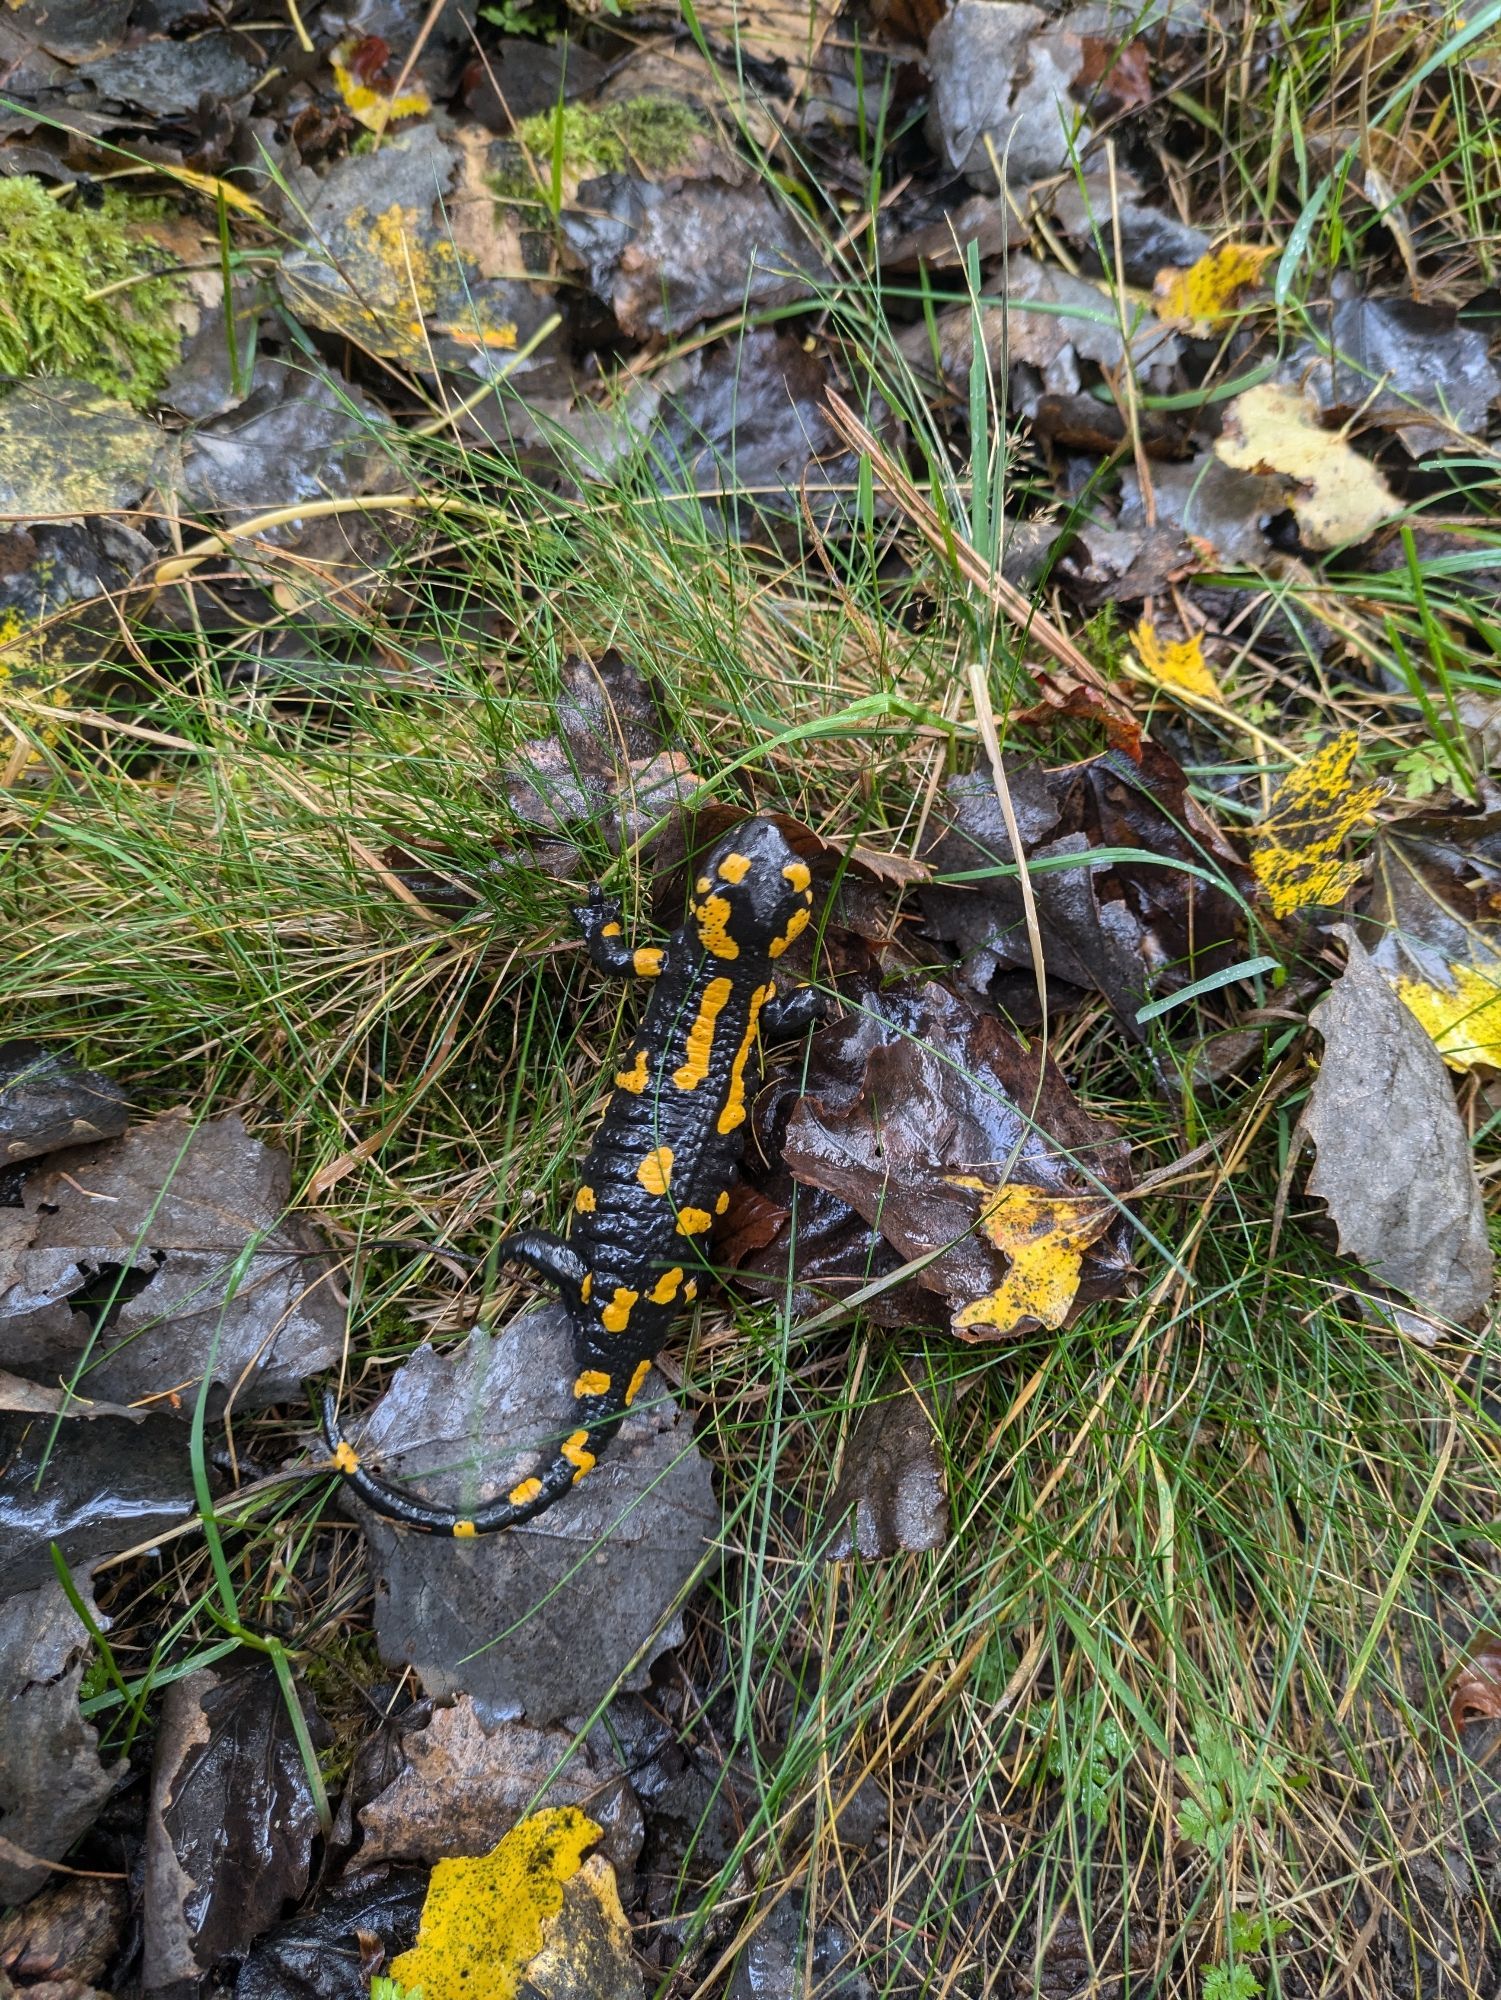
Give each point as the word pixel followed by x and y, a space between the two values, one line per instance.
pixel 1045 1236
pixel 482 1923
pixel 375 108
pixel 1176 663
pixel 1295 850
pixel 214 188
pixel 1335 494
pixel 1210 289
pixel 1465 1020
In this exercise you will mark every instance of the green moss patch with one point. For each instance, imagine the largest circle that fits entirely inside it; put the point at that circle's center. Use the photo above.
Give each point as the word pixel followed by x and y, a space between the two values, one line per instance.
pixel 651 134
pixel 77 294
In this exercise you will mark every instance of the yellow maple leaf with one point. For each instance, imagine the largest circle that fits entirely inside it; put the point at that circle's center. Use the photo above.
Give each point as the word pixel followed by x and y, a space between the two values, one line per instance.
pixel 1295 850
pixel 1464 1020
pixel 1176 663
pixel 1045 1236
pixel 483 1921
pixel 1336 495
pixel 375 108
pixel 1209 290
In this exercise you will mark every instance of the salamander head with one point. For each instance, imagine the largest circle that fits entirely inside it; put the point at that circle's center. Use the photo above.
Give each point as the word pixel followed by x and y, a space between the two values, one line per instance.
pixel 752 894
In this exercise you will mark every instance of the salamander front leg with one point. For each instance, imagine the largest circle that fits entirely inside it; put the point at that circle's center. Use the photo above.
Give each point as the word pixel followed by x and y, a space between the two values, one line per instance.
pixel 604 934
pixel 793 1014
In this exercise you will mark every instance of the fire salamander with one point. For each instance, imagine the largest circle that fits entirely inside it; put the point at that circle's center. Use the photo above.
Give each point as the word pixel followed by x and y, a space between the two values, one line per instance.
pixel 662 1162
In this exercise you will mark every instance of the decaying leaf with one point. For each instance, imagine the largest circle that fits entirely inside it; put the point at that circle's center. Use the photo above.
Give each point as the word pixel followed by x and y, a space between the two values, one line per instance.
pixel 1474 1685
pixel 1394 1162
pixel 1176 663
pixel 1296 849
pixel 891 1491
pixel 466 1779
pixel 232 1821
pixel 48 1101
pixel 1336 495
pixel 101 1485
pixel 68 448
pixel 1127 928
pixel 586 1948
pixel 52 1782
pixel 327 1951
pixel 1045 1236
pixel 361 67
pixel 140 1262
pixel 1211 289
pixel 1439 908
pixel 1003 73
pixel 486 1920
pixel 921 1089
pixel 67 1934
pixel 543 1620
pixel 1405 366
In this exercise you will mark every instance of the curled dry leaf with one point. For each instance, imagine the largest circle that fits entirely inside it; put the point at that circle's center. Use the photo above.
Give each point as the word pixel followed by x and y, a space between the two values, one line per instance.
pixel 1474 1685
pixel 1296 849
pixel 1394 1162
pixel 1336 495
pixel 891 1491
pixel 922 1091
pixel 581 1591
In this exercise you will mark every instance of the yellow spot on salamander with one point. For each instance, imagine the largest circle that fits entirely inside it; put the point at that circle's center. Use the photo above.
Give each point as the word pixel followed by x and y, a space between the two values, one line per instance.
pixel 463 1531
pixel 694 1221
pixel 593 1382
pixel 797 923
pixel 713 915
pixel 796 872
pixel 733 1115
pixel 634 1078
pixel 655 1170
pixel 702 886
pixel 583 1201
pixel 643 1369
pixel 611 930
pixel 665 1290
pixel 524 1494
pixel 700 1041
pixel 617 1313
pixel 586 1289
pixel 647 961
pixel 721 1202
pixel 735 867
pixel 575 1450
pixel 346 1457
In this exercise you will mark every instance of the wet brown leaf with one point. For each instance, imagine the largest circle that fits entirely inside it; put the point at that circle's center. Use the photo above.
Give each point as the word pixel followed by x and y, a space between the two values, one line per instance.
pixel 70 1931
pixel 891 1493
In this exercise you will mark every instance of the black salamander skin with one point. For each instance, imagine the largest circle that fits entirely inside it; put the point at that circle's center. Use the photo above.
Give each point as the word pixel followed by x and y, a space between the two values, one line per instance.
pixel 662 1162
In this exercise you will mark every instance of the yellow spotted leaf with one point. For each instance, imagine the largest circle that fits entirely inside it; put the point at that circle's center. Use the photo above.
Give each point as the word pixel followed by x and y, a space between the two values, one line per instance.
pixel 483 1921
pixel 374 107
pixel 1045 1236
pixel 1464 1020
pixel 1336 495
pixel 1176 663
pixel 1296 851
pixel 1210 290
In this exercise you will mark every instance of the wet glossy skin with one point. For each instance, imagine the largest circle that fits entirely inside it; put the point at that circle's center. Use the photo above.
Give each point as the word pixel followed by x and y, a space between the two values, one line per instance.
pixel 662 1162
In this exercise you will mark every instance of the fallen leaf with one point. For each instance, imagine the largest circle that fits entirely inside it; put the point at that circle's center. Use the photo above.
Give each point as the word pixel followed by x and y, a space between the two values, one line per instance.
pixel 1474 1684
pixel 891 1493
pixel 52 1782
pixel 1396 363
pixel 138 1262
pixel 1004 73
pixel 1437 901
pixel 71 1931
pixel 587 1949
pixel 1129 929
pixel 466 1778
pixel 1099 210
pixel 1295 849
pixel 323 1953
pixel 1176 663
pixel 1221 512
pixel 773 31
pixel 48 1101
pixel 922 1088
pixel 580 1592
pixel 99 1485
pixel 1394 1161
pixel 361 67
pixel 485 1920
pixel 1045 1236
pixel 1211 289
pixel 68 448
pixel 1336 495
pixel 231 1823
